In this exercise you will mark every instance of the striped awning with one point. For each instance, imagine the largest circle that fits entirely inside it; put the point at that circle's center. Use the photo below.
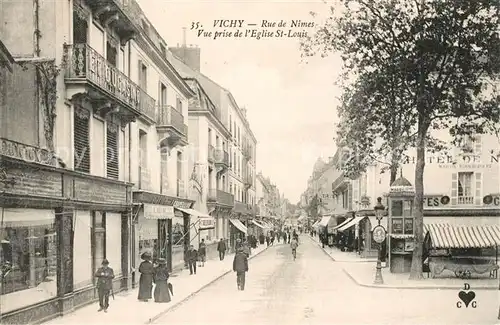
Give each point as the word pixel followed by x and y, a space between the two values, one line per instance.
pixel 346 221
pixel 350 223
pixel 453 236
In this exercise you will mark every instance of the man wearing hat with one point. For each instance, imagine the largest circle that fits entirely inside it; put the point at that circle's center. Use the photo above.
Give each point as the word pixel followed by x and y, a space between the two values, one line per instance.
pixel 240 266
pixel 105 276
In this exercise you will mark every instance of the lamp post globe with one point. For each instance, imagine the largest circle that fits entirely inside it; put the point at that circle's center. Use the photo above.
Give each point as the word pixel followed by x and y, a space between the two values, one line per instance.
pixel 379 214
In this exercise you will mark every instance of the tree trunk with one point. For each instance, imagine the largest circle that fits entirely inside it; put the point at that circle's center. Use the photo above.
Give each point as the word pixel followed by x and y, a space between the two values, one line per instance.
pixel 416 263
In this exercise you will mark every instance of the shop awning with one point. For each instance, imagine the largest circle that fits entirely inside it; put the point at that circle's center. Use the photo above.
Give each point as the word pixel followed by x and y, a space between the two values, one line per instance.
pixel 350 223
pixel 342 224
pixel 259 225
pixel 205 221
pixel 324 221
pixel 241 227
pixel 452 236
pixel 155 211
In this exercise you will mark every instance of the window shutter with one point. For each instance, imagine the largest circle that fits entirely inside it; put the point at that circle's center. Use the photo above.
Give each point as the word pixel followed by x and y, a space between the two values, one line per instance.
pixel 355 194
pixel 477 145
pixel 112 155
pixel 479 189
pixel 349 197
pixel 81 139
pixel 454 188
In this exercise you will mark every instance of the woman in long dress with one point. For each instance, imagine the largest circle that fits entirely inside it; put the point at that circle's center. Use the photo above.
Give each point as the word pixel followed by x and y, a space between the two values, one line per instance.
pixel 161 293
pixel 146 280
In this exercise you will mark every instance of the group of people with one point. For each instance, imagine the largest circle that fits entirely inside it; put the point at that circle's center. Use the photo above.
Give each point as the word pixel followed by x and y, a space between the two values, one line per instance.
pixel 280 235
pixel 154 273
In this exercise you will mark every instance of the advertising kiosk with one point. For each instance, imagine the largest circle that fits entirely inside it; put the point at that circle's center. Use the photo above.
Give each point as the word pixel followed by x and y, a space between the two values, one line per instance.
pixel 401 225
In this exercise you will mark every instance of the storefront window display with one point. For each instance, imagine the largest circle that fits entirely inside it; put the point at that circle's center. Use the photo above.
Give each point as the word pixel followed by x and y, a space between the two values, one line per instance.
pixel 178 237
pixel 28 254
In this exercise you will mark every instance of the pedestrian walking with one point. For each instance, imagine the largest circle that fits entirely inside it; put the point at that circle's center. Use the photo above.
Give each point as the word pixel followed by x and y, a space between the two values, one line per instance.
pixel 262 239
pixel 221 248
pixel 161 293
pixel 192 258
pixel 105 276
pixel 202 253
pixel 268 240
pixel 240 266
pixel 146 269
pixel 288 237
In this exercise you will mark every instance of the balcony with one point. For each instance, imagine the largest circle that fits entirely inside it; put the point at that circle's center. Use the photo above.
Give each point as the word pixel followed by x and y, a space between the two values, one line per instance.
pixel 221 158
pixel 181 189
pixel 170 126
pixel 465 200
pixel 220 197
pixel 240 207
pixel 247 153
pixel 248 181
pixel 89 77
pixel 211 153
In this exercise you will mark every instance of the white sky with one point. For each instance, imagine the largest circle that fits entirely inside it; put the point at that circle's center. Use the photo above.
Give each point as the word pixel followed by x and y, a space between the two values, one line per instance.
pixel 290 105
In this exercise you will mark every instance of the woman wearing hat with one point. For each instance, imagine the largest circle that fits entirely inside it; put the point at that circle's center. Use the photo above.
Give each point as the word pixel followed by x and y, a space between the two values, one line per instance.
pixel 146 281
pixel 161 293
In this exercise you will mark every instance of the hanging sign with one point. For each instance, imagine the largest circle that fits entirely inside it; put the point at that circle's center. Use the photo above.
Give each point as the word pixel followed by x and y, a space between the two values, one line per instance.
pixel 379 234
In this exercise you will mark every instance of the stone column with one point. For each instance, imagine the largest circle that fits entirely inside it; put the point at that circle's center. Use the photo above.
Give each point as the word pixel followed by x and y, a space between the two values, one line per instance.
pixel 65 230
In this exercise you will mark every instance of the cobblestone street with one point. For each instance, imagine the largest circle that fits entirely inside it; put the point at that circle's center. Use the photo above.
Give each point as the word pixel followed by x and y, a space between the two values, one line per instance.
pixel 315 290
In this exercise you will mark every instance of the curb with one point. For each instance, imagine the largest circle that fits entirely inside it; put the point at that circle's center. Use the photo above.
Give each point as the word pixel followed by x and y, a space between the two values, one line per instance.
pixel 383 286
pixel 192 294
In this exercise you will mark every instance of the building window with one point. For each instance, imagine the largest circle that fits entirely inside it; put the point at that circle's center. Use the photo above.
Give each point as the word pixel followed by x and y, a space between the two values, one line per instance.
pixel 28 256
pixel 162 96
pixel 81 140
pixel 143 163
pixel 98 239
pixel 230 124
pixel 178 105
pixel 177 231
pixel 143 76
pixel 112 152
pixel 402 217
pixel 465 195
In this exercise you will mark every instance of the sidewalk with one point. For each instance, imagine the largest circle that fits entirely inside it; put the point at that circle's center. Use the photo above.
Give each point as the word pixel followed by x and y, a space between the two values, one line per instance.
pixel 126 309
pixel 363 274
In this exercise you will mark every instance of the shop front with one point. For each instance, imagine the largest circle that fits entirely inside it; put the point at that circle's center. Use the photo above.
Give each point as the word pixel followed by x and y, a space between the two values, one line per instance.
pixel 238 231
pixel 161 228
pixel 56 227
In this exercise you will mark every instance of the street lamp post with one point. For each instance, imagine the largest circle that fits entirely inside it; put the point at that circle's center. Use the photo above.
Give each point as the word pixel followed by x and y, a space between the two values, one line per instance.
pixel 379 234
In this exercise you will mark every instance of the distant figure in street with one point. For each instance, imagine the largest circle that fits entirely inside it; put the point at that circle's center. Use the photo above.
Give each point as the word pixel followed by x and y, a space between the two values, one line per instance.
pixel 221 248
pixel 294 244
pixel 160 278
pixel 105 276
pixel 192 257
pixel 240 266
pixel 262 239
pixel 202 253
pixel 146 280
pixel 284 237
pixel 268 240
pixel 289 237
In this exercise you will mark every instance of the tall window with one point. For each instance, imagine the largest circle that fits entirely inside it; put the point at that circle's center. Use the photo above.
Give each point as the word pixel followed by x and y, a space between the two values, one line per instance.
pixel 98 238
pixel 143 76
pixel 81 140
pixel 112 152
pixel 465 194
pixel 143 155
pixel 162 95
pixel 111 54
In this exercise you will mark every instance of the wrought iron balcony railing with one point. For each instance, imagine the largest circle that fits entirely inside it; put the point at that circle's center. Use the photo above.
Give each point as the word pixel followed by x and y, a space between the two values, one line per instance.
pixel 87 65
pixel 168 116
pixel 220 196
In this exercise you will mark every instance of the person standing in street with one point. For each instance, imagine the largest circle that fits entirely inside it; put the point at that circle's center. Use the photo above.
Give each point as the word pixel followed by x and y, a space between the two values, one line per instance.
pixel 268 240
pixel 294 244
pixel 105 276
pixel 192 258
pixel 146 280
pixel 160 277
pixel 221 248
pixel 202 252
pixel 240 266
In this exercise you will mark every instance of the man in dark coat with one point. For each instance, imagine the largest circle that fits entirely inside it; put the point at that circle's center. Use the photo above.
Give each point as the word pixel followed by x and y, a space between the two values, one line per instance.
pixel 192 257
pixel 221 248
pixel 240 266
pixel 105 276
pixel 146 280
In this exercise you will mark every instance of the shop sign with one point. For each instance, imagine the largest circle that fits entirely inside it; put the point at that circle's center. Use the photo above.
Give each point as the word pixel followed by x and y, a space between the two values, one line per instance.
pixel 379 234
pixel 206 223
pixel 153 211
pixel 492 200
pixel 434 201
pixel 181 204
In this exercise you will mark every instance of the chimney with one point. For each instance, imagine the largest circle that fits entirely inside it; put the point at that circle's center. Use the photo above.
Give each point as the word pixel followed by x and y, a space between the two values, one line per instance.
pixel 190 56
